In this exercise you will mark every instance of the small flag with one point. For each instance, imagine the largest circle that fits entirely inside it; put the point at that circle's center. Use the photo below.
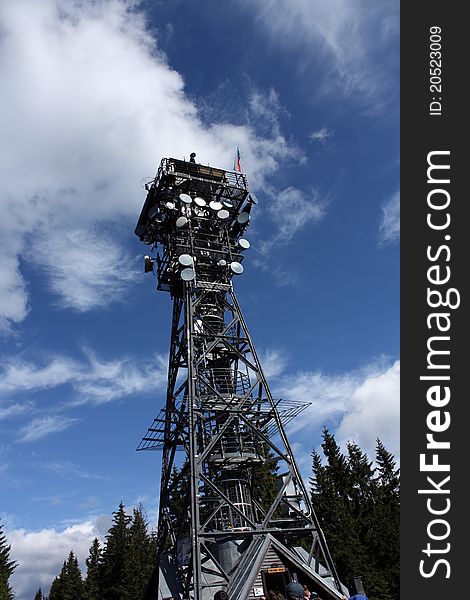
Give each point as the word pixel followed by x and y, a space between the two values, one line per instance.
pixel 237 163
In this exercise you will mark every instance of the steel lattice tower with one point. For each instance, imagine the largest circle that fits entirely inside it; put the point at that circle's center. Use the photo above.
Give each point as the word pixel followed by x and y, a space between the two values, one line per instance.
pixel 219 410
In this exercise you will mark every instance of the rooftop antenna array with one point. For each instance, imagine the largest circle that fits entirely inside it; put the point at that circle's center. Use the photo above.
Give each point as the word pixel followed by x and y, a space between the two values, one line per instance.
pixel 219 410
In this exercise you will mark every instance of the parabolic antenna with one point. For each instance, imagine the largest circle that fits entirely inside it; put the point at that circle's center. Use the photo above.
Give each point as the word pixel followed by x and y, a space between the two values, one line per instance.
pixel 185 198
pixel 243 218
pixel 186 260
pixel 181 221
pixel 170 204
pixel 222 263
pixel 245 244
pixel 236 267
pixel 253 199
pixel 223 214
pixel 228 203
pixel 200 201
pixel 188 274
pixel 215 205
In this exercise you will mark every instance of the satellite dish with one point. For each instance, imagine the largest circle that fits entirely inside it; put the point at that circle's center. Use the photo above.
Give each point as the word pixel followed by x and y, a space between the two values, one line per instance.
pixel 185 198
pixel 188 274
pixel 200 201
pixel 222 263
pixel 170 205
pixel 245 244
pixel 243 218
pixel 223 214
pixel 228 203
pixel 181 221
pixel 253 199
pixel 186 260
pixel 215 205
pixel 236 267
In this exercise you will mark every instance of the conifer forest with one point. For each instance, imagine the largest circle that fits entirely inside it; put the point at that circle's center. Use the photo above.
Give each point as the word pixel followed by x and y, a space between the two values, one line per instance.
pixel 356 499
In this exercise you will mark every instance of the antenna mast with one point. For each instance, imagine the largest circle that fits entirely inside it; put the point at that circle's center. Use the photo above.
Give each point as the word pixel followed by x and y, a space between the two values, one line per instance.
pixel 230 533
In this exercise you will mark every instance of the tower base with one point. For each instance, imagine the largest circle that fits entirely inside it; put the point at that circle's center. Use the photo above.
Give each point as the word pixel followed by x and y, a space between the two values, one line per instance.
pixel 267 565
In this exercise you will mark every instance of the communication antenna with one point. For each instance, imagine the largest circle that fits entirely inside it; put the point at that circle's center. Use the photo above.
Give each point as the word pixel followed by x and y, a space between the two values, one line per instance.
pixel 245 522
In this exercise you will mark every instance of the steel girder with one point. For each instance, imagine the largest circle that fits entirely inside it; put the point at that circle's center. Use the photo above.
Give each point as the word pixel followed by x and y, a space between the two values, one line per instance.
pixel 221 413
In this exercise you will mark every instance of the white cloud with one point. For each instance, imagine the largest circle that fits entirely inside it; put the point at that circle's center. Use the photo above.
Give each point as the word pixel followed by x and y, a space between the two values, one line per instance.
pixel 89 105
pixel 390 225
pixel 86 269
pixel 13 410
pixel 372 411
pixel 342 35
pixel 45 426
pixel 110 380
pixel 69 470
pixel 13 294
pixel 93 379
pixel 303 459
pixel 321 135
pixel 40 555
pixel 359 406
pixel 19 375
pixel 327 394
pixel 292 210
pixel 266 109
pixel 273 362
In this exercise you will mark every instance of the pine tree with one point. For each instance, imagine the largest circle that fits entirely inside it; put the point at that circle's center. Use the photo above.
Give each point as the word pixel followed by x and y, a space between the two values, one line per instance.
pixel 73 588
pixel 389 475
pixel 58 585
pixel 7 567
pixel 264 480
pixel 177 501
pixel 388 517
pixel 39 595
pixel 330 497
pixel 358 507
pixel 93 576
pixel 118 572
pixel 363 510
pixel 114 557
pixel 139 560
pixel 153 547
pixel 361 485
pixel 68 585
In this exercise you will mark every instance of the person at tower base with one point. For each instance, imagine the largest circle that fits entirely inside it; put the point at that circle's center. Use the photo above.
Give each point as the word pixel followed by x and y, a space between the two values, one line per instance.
pixel 308 595
pixel 294 591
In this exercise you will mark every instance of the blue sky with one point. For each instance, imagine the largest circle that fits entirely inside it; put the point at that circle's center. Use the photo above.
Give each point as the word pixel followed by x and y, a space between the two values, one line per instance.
pixel 94 94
